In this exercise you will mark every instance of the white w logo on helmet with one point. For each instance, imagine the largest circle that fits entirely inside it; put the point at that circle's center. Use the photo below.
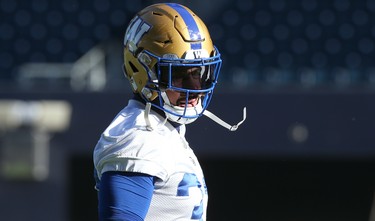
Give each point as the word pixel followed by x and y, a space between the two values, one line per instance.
pixel 135 32
pixel 196 54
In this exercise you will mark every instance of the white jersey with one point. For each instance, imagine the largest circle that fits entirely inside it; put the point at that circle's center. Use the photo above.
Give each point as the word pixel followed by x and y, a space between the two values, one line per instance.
pixel 180 193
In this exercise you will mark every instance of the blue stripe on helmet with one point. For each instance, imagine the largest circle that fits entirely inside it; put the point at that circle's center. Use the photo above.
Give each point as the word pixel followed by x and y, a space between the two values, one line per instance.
pixel 190 22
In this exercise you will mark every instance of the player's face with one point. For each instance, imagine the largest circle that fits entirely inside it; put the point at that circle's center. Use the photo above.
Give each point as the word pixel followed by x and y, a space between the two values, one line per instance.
pixel 187 78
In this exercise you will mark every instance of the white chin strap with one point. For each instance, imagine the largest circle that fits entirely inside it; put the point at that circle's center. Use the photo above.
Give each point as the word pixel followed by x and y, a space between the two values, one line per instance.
pixel 195 111
pixel 223 123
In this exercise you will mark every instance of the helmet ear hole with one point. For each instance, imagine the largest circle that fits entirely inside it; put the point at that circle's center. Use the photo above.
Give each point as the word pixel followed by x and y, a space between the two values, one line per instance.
pixel 134 69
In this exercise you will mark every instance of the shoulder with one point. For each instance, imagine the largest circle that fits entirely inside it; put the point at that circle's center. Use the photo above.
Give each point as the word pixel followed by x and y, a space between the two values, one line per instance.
pixel 126 119
pixel 132 117
pixel 128 145
pixel 129 128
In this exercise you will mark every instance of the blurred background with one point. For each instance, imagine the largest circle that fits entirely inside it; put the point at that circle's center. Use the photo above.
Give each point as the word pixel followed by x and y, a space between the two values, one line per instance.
pixel 303 68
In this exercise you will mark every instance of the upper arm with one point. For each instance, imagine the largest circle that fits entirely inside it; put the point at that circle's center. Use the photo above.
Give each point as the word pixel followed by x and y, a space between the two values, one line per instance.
pixel 125 195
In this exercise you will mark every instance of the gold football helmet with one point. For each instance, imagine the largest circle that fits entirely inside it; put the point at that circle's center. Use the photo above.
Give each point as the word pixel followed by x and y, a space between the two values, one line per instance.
pixel 161 41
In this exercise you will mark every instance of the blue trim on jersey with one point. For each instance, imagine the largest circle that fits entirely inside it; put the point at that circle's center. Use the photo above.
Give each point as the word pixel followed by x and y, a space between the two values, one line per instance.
pixel 190 23
pixel 124 195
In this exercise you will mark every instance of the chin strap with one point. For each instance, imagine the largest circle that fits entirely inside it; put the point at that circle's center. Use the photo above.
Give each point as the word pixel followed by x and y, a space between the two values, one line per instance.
pixel 206 113
pixel 147 112
pixel 147 119
pixel 223 123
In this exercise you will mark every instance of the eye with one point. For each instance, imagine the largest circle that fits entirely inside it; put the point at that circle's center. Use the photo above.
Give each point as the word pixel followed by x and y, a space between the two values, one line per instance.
pixel 186 72
pixel 196 73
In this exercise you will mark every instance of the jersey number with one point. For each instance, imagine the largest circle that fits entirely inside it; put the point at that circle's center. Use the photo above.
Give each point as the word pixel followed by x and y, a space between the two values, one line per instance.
pixel 191 180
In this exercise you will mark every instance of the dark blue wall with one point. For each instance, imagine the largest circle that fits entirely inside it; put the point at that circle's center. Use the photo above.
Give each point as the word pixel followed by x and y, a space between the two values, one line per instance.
pixel 338 125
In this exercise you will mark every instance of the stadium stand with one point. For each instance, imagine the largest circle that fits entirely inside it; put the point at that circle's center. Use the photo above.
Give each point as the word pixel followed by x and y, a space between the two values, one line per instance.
pixel 306 43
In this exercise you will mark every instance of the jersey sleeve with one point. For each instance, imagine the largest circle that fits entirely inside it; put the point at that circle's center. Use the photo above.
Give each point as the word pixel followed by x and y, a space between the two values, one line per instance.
pixel 127 145
pixel 141 151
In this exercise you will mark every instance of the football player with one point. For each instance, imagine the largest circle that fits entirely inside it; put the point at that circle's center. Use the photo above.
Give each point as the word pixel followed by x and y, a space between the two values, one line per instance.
pixel 145 169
